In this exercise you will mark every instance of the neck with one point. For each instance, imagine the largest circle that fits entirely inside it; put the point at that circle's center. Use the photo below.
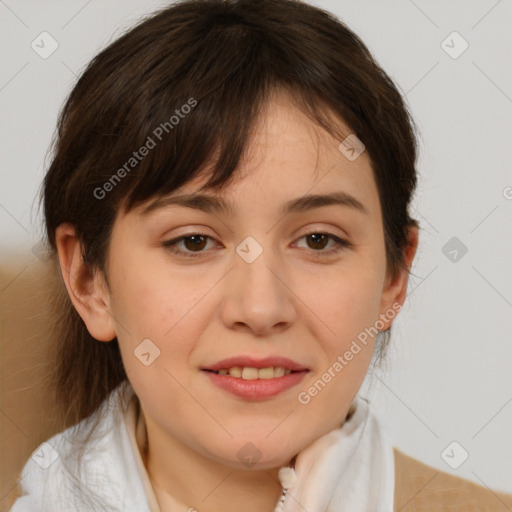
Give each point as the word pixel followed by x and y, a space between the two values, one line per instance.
pixel 180 474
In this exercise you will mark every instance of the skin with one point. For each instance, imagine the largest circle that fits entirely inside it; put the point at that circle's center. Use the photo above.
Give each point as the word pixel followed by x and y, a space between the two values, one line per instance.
pixel 294 300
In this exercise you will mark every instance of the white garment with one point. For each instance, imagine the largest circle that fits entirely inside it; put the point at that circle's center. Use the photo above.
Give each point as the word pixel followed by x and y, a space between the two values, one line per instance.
pixel 349 469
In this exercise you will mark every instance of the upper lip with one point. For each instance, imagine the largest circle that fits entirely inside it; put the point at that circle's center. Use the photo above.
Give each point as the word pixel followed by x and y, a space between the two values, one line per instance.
pixel 252 362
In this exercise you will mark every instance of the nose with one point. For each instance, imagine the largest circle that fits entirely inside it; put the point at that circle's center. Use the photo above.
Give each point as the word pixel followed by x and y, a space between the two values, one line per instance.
pixel 258 298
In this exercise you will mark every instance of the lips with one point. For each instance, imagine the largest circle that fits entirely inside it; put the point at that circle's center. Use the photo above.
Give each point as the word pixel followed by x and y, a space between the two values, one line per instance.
pixel 255 379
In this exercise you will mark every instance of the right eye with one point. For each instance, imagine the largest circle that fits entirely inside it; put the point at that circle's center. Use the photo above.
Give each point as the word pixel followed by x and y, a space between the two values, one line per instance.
pixel 193 243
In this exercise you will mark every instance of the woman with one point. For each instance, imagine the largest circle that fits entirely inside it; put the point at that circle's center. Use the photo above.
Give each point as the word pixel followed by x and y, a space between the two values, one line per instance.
pixel 228 205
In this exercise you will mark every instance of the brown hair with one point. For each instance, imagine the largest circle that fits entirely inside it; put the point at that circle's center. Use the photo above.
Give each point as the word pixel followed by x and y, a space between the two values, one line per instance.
pixel 223 59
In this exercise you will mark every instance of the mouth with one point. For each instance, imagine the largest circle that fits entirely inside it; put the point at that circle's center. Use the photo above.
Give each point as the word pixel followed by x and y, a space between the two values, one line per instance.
pixel 255 379
pixel 250 368
pixel 251 373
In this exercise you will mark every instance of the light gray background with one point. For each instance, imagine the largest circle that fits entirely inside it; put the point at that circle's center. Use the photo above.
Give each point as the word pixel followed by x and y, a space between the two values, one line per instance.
pixel 448 377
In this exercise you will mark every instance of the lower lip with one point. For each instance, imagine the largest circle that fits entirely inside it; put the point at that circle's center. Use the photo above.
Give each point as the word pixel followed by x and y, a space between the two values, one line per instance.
pixel 256 389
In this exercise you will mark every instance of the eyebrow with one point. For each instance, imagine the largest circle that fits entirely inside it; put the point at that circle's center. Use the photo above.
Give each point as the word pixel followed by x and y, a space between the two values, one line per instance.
pixel 214 204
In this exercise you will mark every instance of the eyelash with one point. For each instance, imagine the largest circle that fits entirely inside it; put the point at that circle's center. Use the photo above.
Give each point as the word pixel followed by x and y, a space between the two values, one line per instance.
pixel 340 244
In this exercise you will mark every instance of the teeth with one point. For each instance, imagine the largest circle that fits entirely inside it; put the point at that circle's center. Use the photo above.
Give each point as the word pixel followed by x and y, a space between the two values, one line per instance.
pixel 236 371
pixel 279 371
pixel 248 373
pixel 265 373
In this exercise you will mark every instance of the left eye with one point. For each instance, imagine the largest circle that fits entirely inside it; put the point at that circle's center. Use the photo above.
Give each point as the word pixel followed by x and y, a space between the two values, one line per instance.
pixel 320 240
pixel 195 243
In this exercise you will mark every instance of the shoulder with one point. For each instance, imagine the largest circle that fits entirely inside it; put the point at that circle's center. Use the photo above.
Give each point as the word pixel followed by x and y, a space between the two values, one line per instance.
pixel 419 487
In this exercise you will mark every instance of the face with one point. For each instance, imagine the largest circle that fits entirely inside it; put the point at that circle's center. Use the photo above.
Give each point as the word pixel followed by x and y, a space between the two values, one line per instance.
pixel 256 287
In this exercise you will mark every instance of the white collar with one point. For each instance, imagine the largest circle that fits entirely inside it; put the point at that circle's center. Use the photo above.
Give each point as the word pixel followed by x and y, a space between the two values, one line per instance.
pixel 350 468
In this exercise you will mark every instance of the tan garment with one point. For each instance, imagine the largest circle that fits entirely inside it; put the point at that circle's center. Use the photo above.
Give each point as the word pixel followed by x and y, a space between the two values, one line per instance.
pixel 421 488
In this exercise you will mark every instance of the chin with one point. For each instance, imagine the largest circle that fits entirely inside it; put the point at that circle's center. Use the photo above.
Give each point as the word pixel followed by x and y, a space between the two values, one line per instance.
pixel 255 460
pixel 256 452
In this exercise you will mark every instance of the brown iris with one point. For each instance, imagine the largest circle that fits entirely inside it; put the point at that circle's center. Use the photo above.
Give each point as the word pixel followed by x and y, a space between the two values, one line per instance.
pixel 320 238
pixel 195 242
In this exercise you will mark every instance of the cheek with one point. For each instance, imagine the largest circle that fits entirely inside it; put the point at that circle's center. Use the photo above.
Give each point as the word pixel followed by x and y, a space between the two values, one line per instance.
pixel 346 302
pixel 166 308
pixel 146 299
pixel 157 335
pixel 349 308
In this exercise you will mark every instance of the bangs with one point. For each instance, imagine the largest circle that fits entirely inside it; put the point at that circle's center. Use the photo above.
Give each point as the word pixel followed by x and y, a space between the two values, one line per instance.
pixel 183 109
pixel 209 142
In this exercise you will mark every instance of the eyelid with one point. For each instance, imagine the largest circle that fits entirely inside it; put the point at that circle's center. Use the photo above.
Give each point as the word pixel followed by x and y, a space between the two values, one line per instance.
pixel 327 231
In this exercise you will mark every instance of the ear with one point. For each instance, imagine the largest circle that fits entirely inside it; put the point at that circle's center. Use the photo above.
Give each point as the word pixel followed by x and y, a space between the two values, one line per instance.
pixel 87 289
pixel 395 288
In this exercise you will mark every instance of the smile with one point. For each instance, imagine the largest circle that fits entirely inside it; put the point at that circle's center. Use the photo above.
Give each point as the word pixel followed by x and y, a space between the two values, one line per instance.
pixel 249 373
pixel 255 379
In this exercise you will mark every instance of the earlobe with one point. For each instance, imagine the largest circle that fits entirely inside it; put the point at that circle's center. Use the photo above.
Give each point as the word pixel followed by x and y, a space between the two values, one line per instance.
pixel 86 288
pixel 394 293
